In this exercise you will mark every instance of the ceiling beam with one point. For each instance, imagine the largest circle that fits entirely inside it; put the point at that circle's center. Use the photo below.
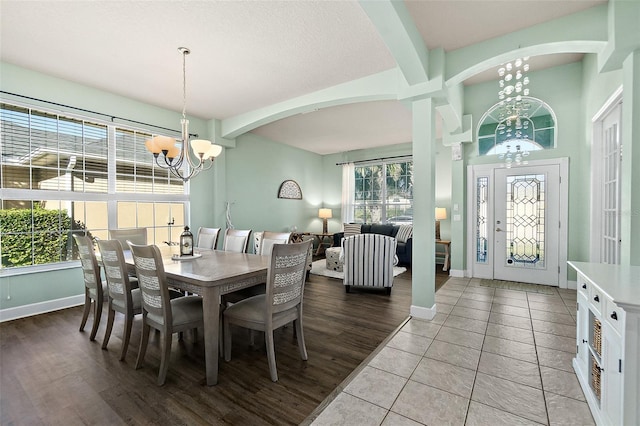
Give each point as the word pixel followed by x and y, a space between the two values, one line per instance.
pixel 376 87
pixel 400 34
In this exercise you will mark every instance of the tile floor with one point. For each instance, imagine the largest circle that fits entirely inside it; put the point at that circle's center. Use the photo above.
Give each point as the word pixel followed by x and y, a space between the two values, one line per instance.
pixel 489 357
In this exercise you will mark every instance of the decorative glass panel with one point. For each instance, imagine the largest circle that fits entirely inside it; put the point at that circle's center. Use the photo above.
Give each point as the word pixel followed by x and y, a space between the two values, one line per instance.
pixel 525 220
pixel 482 188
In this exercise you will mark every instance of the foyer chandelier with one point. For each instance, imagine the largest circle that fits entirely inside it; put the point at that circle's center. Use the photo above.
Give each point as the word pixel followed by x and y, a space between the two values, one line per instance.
pixel 514 124
pixel 175 153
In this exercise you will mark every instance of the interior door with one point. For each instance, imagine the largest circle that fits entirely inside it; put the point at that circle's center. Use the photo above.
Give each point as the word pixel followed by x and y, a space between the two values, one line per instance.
pixel 526 223
pixel 610 239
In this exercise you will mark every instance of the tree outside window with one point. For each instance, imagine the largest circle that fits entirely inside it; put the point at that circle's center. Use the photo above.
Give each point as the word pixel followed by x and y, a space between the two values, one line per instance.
pixel 384 193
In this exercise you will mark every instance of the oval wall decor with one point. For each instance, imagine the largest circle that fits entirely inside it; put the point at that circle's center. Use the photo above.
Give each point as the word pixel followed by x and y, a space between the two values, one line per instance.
pixel 290 189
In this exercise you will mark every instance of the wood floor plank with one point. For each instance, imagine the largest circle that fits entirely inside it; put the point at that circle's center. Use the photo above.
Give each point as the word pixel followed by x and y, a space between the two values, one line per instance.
pixel 50 373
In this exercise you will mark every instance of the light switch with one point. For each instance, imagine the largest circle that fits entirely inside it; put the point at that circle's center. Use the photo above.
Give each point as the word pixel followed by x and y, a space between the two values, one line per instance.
pixel 455 207
pixel 457 218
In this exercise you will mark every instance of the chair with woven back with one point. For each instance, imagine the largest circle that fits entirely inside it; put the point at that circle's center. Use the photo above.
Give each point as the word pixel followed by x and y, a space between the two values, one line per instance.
pixel 263 241
pixel 207 238
pixel 135 235
pixel 236 240
pixel 280 305
pixel 94 287
pixel 159 311
pixel 122 298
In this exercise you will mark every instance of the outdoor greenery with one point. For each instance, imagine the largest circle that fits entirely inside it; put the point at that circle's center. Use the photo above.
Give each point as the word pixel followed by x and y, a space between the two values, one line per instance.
pixel 384 192
pixel 36 236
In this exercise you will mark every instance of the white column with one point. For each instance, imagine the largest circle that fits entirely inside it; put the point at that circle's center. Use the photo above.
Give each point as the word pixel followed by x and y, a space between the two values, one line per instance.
pixel 423 262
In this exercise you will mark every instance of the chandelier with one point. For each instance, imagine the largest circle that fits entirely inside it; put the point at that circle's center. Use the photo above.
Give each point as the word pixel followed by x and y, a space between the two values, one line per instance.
pixel 514 123
pixel 175 153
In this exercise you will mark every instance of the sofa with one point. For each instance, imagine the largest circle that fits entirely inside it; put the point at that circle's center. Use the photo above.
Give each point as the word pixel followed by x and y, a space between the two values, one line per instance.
pixel 403 249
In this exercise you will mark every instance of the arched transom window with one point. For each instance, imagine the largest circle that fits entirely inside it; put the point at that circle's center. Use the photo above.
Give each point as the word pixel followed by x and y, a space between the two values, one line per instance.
pixel 536 131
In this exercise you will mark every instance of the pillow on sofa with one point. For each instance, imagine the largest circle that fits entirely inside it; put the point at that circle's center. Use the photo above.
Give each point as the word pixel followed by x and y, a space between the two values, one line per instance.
pixel 404 233
pixel 351 229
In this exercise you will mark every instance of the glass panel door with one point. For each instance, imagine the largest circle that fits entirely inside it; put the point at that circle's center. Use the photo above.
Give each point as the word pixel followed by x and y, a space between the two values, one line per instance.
pixel 526 223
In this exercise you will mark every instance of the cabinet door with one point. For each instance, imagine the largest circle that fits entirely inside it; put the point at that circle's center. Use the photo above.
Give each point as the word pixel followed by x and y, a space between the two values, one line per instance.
pixel 582 334
pixel 612 397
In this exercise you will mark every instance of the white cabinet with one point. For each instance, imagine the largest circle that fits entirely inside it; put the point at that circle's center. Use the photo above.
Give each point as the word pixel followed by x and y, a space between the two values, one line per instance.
pixel 582 335
pixel 612 376
pixel 607 360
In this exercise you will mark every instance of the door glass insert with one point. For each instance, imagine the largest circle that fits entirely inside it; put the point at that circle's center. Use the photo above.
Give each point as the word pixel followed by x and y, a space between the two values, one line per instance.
pixel 611 198
pixel 525 221
pixel 482 187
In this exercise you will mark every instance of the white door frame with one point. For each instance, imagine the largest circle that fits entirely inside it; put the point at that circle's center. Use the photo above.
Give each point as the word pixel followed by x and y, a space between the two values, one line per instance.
pixel 485 270
pixel 596 174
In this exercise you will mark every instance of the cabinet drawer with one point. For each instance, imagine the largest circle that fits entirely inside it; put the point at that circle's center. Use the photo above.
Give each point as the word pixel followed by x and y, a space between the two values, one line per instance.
pixel 614 315
pixel 596 299
pixel 583 285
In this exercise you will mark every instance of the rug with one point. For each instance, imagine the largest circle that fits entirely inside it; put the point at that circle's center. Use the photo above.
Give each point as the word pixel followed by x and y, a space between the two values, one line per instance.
pixel 319 267
pixel 518 286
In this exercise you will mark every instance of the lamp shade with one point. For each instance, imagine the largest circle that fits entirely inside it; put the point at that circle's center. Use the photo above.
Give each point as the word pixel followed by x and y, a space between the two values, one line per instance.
pixel 324 213
pixel 213 152
pixel 200 146
pixel 152 146
pixel 165 143
pixel 441 213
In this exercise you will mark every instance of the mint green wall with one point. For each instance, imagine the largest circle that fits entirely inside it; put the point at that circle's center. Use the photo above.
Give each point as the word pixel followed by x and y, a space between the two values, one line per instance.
pixel 255 170
pixel 19 290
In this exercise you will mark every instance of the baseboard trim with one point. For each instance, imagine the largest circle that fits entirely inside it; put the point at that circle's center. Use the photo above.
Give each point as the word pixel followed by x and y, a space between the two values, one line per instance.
pixel 458 273
pixel 422 312
pixel 40 308
pixel 572 285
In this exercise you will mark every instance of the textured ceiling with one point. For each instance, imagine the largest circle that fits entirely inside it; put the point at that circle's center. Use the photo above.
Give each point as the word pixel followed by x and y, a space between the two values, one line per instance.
pixel 250 54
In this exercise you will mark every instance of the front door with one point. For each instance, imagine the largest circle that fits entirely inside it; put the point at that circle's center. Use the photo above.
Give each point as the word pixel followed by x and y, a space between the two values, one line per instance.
pixel 526 224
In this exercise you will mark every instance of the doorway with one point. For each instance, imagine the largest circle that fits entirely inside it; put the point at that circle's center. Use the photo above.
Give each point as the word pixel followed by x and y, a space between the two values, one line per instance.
pixel 517 222
pixel 606 163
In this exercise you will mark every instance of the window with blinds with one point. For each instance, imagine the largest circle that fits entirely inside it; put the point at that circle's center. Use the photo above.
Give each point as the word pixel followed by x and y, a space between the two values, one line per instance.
pixel 57 177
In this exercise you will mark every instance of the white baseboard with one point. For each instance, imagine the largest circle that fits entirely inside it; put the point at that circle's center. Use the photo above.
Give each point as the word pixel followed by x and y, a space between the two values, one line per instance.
pixel 458 273
pixel 572 285
pixel 40 307
pixel 423 313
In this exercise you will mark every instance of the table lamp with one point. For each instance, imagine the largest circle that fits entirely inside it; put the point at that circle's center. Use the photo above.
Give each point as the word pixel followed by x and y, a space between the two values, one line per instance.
pixel 441 214
pixel 324 214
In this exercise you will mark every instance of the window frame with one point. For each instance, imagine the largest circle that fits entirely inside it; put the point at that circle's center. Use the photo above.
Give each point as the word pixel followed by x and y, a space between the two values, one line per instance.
pixel 111 197
pixel 383 203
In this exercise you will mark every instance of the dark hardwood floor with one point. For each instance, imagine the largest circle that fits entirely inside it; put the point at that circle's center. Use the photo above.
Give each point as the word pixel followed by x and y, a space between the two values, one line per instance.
pixel 50 373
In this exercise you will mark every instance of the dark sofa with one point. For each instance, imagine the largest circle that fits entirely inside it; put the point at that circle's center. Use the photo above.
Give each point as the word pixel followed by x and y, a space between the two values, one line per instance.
pixel 403 250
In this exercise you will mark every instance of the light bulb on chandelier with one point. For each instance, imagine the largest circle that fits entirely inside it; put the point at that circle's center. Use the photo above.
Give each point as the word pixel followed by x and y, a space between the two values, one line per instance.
pixel 176 152
pixel 513 112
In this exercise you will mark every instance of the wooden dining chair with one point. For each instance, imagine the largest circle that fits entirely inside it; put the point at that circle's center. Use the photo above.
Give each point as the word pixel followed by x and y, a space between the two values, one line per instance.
pixel 264 241
pixel 236 240
pixel 122 298
pixel 135 235
pixel 280 305
pixel 159 311
pixel 94 287
pixel 207 238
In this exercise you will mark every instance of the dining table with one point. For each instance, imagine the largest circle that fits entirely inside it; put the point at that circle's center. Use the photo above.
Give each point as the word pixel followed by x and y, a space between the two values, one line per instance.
pixel 211 274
